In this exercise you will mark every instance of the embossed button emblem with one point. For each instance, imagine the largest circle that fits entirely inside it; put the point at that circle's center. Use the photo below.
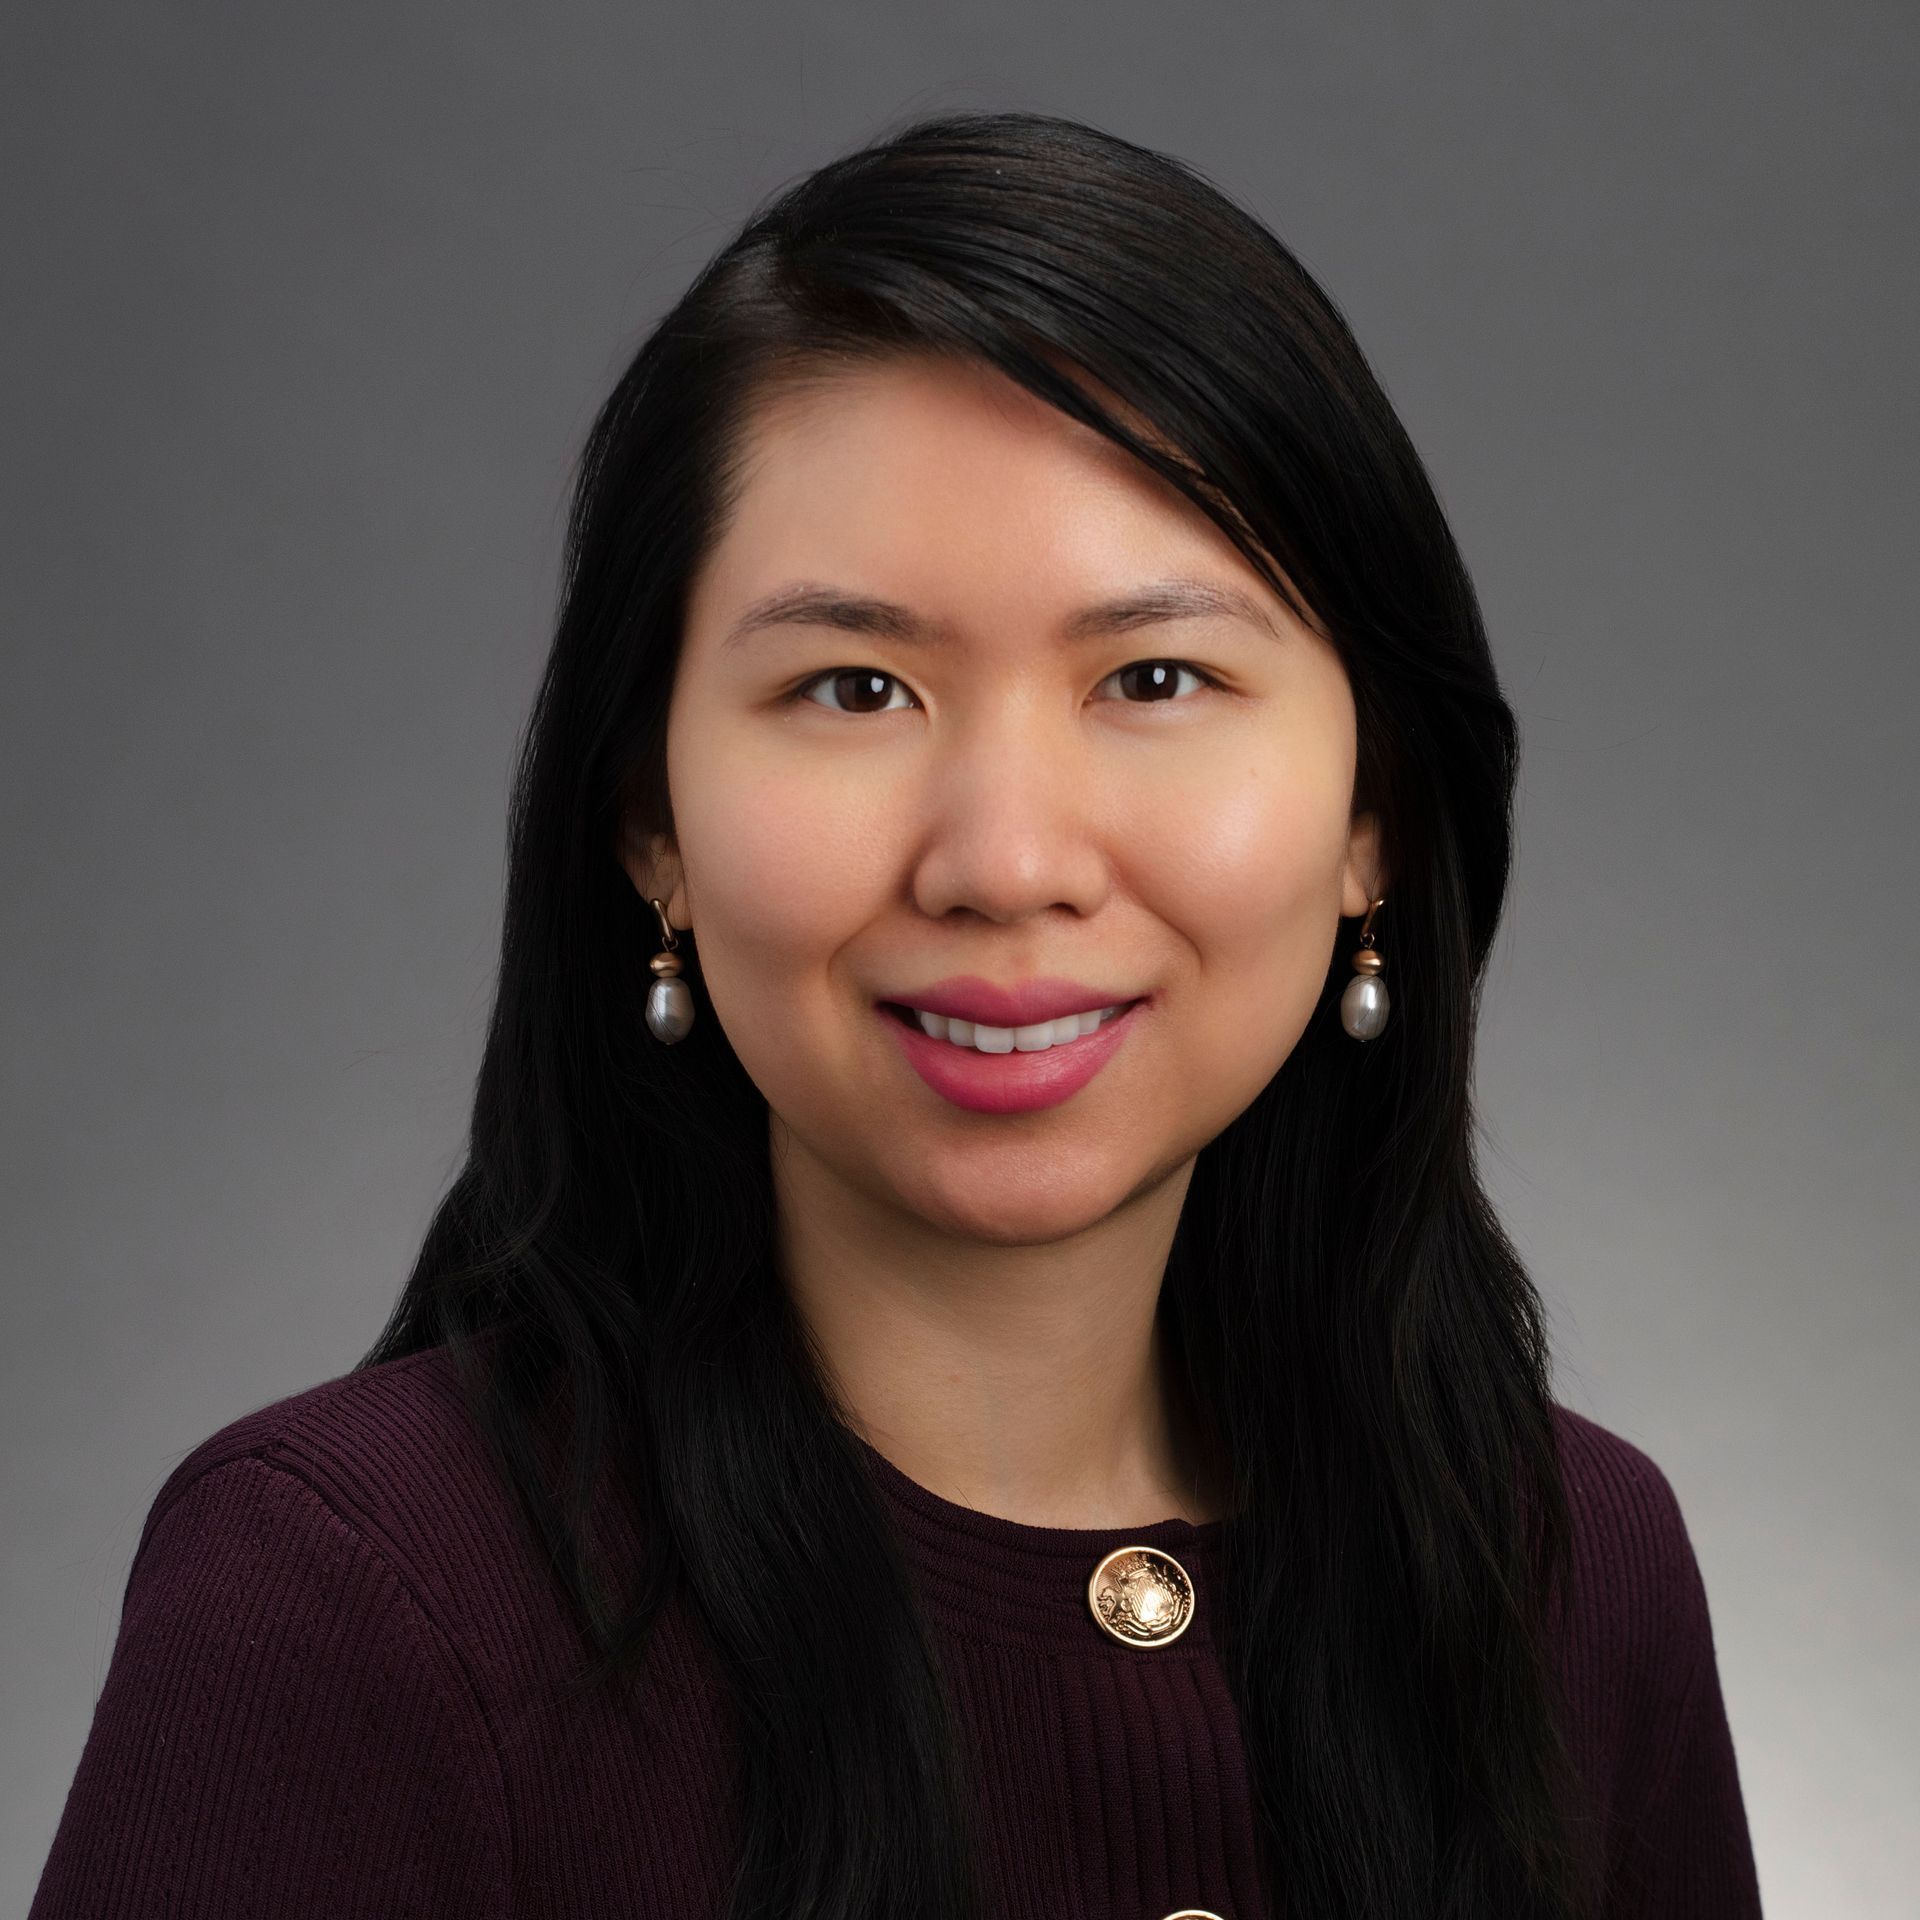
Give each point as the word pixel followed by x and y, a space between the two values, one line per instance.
pixel 1141 1596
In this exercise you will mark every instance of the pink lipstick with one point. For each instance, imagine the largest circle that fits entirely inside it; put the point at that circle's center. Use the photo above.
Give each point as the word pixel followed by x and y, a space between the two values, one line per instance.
pixel 1015 1081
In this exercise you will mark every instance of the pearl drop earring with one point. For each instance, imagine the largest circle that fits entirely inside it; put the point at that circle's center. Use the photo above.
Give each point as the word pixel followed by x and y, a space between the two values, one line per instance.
pixel 1363 1007
pixel 669 999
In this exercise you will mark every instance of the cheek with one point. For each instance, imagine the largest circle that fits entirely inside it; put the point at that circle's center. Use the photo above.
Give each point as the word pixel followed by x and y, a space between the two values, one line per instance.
pixel 1246 867
pixel 747 855
pixel 782 875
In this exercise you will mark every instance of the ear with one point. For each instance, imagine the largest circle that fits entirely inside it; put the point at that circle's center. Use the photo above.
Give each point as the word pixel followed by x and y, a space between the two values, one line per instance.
pixel 652 863
pixel 1362 881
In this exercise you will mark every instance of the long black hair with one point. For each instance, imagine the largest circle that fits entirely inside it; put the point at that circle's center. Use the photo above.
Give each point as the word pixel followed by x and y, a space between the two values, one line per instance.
pixel 1346 1305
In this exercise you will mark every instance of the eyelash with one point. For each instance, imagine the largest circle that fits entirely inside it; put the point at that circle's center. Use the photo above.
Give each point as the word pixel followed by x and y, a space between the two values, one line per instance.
pixel 800 692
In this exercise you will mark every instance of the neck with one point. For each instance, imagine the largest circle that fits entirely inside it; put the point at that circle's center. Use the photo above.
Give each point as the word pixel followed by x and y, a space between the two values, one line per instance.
pixel 1032 1382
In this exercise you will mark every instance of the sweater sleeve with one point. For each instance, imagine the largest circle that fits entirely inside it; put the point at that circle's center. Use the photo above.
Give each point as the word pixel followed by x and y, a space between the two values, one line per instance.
pixel 1687 1853
pixel 1694 1858
pixel 282 1730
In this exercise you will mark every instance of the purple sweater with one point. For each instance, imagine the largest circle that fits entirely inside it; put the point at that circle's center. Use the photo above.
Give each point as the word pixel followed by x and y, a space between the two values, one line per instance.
pixel 326 1699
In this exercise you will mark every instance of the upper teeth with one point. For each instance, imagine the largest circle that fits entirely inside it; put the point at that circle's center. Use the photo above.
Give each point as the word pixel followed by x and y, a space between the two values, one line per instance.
pixel 1034 1039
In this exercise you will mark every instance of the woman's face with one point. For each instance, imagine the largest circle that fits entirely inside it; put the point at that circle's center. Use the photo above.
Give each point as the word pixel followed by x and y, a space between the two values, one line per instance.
pixel 975 777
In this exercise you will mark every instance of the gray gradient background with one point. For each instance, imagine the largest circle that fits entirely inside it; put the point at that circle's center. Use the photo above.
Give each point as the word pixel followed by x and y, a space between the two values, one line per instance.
pixel 305 316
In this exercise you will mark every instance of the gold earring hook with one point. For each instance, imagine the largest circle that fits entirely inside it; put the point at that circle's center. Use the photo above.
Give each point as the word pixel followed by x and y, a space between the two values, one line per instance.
pixel 1366 925
pixel 668 938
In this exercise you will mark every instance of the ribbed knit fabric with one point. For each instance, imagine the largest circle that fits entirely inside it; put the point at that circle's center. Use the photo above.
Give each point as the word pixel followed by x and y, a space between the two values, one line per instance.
pixel 331 1696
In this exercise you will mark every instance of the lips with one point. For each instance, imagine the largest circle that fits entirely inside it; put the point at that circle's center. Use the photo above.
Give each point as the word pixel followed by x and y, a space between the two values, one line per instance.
pixel 1010 1083
pixel 971 998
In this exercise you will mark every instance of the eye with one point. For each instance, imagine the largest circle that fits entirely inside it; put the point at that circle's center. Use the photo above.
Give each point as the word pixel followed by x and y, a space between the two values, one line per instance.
pixel 863 689
pixel 1156 680
pixel 857 684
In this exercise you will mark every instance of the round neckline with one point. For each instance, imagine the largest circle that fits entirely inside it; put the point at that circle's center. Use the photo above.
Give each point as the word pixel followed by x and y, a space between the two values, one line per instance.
pixel 984 1576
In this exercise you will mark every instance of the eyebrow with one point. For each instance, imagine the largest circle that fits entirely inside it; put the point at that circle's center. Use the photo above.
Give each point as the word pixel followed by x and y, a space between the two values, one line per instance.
pixel 809 605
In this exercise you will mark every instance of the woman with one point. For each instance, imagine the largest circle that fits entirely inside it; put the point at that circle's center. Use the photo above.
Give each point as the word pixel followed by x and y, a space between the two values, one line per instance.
pixel 968 1370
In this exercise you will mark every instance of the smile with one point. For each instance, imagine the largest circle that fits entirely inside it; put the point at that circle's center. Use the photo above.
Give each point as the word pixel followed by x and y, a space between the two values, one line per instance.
pixel 1007 1070
pixel 1040 1038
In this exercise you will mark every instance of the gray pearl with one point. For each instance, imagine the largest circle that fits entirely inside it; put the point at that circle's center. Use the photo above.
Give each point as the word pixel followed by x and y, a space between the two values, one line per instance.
pixel 1363 1007
pixel 669 1010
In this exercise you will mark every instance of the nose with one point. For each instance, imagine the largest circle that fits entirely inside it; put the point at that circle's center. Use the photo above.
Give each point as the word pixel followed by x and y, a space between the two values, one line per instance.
pixel 1015 823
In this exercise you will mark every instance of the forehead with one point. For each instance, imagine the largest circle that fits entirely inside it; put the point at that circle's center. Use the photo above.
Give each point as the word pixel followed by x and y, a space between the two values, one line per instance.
pixel 947 468
pixel 910 396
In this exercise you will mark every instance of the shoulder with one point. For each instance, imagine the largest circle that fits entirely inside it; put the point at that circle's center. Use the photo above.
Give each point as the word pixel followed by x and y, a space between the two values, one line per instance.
pixel 1624 1507
pixel 388 1455
pixel 282 1679
pixel 1636 1655
pixel 370 1443
pixel 1633 1559
pixel 1636 1631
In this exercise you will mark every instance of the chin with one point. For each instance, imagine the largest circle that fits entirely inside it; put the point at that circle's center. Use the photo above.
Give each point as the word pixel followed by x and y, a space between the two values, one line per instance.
pixel 981 1206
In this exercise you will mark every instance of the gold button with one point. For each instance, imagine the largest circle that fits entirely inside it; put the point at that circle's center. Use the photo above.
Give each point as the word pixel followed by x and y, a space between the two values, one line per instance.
pixel 1141 1596
pixel 1191 1913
